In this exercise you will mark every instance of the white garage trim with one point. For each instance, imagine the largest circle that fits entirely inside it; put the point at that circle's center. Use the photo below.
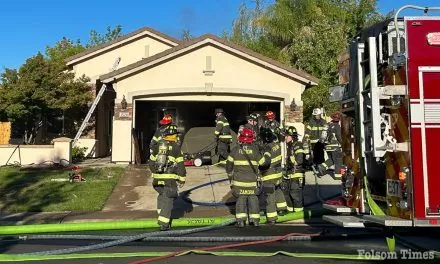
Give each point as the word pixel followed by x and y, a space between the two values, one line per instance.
pixel 217 91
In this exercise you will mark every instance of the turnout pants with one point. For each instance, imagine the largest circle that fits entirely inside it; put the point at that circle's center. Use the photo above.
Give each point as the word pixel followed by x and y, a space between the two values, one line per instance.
pixel 318 152
pixel 222 149
pixel 246 202
pixel 275 200
pixel 335 158
pixel 294 194
pixel 167 190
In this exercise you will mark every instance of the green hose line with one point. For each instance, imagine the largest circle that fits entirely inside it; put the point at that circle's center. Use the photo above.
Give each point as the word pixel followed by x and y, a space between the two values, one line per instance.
pixel 137 224
pixel 17 258
pixel 391 241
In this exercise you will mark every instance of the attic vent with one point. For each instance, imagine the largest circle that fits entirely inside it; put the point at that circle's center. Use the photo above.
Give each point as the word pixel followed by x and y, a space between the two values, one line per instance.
pixel 147 51
pixel 208 66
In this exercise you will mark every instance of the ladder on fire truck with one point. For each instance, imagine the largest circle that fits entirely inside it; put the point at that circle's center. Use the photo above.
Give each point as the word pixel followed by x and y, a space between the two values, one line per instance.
pixel 375 126
pixel 94 104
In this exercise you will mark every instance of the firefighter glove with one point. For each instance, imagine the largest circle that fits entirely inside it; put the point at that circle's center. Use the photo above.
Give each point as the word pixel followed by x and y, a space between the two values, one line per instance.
pixel 181 184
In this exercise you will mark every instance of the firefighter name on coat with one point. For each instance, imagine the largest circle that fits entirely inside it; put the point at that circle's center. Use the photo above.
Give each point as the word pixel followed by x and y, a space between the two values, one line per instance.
pixel 248 151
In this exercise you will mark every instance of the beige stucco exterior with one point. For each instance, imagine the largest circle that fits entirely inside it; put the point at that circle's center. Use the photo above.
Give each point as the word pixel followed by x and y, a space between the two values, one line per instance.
pixel 130 53
pixel 205 69
pixel 233 79
pixel 59 152
pixel 231 75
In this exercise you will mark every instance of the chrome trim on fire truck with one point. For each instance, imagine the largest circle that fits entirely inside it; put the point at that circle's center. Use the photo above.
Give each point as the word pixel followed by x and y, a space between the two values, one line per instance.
pixel 340 208
pixel 423 137
pixel 387 220
pixel 427 222
pixel 345 220
pixel 427 126
pixel 432 113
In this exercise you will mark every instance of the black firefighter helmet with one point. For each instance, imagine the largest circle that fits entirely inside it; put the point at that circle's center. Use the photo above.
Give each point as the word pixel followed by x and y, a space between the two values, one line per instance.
pixel 267 135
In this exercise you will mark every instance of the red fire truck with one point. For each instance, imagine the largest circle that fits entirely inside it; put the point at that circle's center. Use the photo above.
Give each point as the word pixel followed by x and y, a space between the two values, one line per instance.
pixel 390 123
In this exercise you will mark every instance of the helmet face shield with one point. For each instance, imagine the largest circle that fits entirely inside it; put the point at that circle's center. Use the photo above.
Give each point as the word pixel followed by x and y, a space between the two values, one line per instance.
pixel 170 130
pixel 317 111
pixel 292 132
pixel 267 135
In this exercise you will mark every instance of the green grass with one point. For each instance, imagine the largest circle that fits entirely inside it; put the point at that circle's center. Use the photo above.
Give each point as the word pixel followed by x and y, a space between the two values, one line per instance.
pixel 24 190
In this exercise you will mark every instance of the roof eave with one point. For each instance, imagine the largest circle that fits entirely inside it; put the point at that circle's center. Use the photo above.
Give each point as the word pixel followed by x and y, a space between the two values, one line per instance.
pixel 78 57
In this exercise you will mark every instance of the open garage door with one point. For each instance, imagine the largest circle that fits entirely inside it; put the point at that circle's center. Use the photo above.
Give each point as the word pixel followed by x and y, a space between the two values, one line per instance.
pixel 195 120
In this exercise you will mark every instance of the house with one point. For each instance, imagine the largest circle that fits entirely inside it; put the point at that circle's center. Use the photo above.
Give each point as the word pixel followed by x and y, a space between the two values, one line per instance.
pixel 147 73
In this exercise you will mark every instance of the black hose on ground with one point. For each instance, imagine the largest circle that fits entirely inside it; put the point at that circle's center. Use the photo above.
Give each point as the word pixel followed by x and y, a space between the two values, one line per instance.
pixel 304 237
pixel 128 239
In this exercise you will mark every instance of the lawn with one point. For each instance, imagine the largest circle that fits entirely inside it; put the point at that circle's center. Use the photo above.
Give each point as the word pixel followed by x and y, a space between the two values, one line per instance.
pixel 32 190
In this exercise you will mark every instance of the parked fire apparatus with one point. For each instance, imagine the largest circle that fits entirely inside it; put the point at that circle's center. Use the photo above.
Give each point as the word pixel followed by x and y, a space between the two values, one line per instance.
pixel 391 125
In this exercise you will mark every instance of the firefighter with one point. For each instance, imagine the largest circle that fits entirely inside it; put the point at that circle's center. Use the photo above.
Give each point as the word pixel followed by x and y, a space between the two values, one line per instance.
pixel 293 175
pixel 166 164
pixel 273 125
pixel 166 121
pixel 242 169
pixel 313 132
pixel 271 176
pixel 254 126
pixel 332 140
pixel 223 135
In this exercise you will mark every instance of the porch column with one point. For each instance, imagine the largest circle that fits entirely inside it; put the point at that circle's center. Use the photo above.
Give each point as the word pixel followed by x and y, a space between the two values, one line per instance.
pixel 121 139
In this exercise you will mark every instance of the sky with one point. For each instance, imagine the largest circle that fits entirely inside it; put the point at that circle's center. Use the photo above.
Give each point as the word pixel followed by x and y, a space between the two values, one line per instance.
pixel 27 27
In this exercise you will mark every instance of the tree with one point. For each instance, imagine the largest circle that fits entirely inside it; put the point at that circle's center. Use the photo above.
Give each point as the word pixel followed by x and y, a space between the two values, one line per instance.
pixel 96 38
pixel 186 35
pixel 40 89
pixel 248 31
pixel 43 89
pixel 308 35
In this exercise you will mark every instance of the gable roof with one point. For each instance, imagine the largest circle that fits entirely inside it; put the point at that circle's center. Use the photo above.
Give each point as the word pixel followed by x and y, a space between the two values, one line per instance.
pixel 122 40
pixel 209 39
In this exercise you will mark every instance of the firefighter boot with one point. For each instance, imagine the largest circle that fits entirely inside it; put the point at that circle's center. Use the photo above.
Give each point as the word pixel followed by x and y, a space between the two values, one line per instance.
pixel 256 222
pixel 282 212
pixel 240 224
pixel 270 222
pixel 165 227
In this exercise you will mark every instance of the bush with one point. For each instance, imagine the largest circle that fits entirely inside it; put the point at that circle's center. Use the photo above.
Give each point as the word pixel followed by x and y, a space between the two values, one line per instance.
pixel 78 154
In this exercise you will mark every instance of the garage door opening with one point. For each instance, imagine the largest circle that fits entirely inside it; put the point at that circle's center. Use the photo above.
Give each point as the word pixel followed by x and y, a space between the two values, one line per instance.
pixel 195 120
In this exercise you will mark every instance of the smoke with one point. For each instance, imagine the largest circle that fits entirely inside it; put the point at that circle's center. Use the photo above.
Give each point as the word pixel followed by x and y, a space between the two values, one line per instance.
pixel 188 18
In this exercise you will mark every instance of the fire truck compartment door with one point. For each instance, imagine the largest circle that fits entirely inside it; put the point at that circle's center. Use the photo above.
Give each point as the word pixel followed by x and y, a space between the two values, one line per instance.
pixel 425 115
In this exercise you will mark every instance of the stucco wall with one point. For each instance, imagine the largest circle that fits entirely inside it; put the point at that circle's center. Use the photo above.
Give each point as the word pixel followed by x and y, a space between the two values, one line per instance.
pixel 59 152
pixel 128 53
pixel 232 75
pixel 183 78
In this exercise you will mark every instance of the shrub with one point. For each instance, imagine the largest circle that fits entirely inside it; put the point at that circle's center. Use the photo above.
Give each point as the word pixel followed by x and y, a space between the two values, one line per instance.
pixel 78 154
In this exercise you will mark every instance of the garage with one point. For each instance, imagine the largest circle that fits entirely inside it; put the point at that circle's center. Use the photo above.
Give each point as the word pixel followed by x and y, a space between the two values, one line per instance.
pixel 195 120
pixel 188 79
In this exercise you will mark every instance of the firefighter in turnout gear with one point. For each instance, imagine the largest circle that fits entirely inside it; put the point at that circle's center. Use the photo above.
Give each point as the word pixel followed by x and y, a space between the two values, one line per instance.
pixel 223 135
pixel 313 132
pixel 271 176
pixel 253 125
pixel 331 137
pixel 166 121
pixel 273 125
pixel 166 164
pixel 242 168
pixel 294 178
